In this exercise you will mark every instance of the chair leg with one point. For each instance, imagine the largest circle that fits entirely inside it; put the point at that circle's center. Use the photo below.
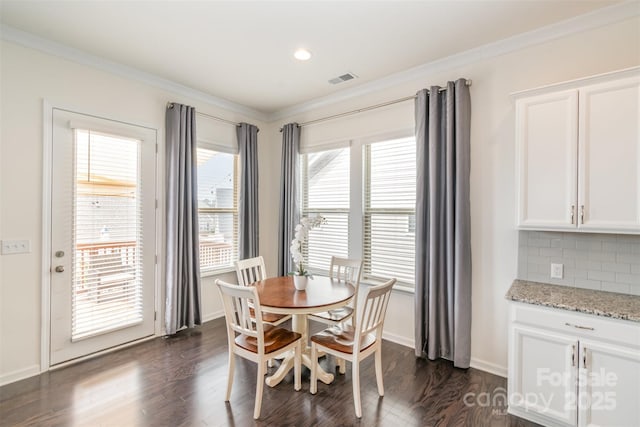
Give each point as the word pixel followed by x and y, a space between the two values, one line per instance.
pixel 378 358
pixel 297 367
pixel 232 363
pixel 313 386
pixel 259 388
pixel 270 363
pixel 342 366
pixel 355 375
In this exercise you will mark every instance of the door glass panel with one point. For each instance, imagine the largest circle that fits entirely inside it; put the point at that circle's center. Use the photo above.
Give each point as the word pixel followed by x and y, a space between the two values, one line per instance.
pixel 107 234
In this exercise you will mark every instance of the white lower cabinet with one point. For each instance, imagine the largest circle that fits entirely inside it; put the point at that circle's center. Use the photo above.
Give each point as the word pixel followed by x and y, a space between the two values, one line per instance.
pixel 570 369
pixel 546 376
pixel 609 393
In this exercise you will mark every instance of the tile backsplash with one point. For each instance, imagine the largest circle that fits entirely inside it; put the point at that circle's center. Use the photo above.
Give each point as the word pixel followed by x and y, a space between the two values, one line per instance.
pixel 608 262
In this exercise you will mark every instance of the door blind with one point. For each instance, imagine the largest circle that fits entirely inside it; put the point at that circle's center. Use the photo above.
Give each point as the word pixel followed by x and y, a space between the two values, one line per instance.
pixel 325 191
pixel 389 204
pixel 107 234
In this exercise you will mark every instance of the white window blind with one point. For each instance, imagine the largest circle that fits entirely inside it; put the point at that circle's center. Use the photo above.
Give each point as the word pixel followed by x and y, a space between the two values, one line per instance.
pixel 217 208
pixel 389 210
pixel 325 191
pixel 107 234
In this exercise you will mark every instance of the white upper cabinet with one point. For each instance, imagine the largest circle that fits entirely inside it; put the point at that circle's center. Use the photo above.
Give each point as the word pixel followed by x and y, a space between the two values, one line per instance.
pixel 547 137
pixel 609 156
pixel 578 156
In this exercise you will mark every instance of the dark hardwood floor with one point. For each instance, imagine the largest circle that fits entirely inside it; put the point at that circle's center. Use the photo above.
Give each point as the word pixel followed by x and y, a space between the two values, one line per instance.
pixel 180 381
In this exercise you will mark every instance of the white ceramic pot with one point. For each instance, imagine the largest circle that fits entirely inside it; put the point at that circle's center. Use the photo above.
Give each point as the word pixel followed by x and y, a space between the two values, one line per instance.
pixel 300 282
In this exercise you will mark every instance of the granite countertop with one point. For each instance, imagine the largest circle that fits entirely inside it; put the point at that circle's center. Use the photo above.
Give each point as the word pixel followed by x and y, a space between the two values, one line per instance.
pixel 600 303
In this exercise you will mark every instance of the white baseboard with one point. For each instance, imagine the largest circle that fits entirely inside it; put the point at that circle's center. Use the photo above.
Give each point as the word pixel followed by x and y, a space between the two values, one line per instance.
pixel 492 368
pixel 398 339
pixel 482 365
pixel 20 374
pixel 212 316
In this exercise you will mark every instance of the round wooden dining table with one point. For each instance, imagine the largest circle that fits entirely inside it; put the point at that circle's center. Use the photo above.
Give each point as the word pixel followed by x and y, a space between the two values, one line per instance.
pixel 279 295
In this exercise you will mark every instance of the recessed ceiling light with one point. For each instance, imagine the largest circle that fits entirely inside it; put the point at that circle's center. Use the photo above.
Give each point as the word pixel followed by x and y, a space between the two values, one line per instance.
pixel 302 54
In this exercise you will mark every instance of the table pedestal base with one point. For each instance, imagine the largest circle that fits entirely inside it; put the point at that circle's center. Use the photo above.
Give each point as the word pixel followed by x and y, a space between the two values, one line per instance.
pixel 300 326
pixel 287 365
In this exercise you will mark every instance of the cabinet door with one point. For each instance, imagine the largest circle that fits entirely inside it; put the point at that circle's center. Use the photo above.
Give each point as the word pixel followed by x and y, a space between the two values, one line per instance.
pixel 609 156
pixel 609 385
pixel 546 140
pixel 542 376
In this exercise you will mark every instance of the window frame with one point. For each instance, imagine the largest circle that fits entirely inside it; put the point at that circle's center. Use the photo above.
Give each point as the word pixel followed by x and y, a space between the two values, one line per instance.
pixel 303 198
pixel 368 211
pixel 235 210
pixel 356 217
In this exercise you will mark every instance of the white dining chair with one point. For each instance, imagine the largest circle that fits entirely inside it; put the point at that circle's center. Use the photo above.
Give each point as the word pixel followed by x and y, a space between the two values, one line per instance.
pixel 356 343
pixel 254 340
pixel 252 270
pixel 348 271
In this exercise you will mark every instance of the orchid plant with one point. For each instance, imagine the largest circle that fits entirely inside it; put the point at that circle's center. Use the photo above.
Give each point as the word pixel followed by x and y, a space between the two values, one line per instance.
pixel 301 234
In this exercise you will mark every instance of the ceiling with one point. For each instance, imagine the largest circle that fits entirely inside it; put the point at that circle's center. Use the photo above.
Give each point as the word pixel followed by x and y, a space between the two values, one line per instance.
pixel 242 51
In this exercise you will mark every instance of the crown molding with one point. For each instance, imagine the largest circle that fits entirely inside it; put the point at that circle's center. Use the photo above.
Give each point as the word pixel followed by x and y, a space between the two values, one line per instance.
pixel 585 22
pixel 601 17
pixel 23 38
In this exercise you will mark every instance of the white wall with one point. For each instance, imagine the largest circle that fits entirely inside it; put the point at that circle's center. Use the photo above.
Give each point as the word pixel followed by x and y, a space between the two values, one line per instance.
pixel 28 77
pixel 494 237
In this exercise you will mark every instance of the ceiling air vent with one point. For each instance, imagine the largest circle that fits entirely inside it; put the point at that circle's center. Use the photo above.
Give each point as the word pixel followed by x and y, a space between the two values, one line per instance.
pixel 342 78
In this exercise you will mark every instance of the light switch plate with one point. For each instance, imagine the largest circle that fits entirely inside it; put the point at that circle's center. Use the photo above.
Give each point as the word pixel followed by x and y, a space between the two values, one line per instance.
pixel 557 271
pixel 16 247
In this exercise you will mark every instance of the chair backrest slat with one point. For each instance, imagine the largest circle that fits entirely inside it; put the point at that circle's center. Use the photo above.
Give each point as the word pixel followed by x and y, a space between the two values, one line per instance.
pixel 372 312
pixel 349 271
pixel 250 270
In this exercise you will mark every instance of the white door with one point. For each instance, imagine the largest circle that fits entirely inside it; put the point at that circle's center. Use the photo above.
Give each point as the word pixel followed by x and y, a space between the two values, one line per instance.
pixel 543 380
pixel 546 139
pixel 609 385
pixel 102 234
pixel 609 159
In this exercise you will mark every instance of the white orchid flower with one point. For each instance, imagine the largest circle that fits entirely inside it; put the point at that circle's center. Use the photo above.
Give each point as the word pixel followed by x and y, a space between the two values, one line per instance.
pixel 300 235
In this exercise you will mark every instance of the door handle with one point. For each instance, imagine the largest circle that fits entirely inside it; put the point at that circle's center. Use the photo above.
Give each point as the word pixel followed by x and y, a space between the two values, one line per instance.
pixel 59 268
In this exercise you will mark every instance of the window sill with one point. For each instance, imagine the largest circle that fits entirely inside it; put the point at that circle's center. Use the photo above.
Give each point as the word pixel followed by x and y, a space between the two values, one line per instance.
pixel 217 272
pixel 399 288
pixel 371 282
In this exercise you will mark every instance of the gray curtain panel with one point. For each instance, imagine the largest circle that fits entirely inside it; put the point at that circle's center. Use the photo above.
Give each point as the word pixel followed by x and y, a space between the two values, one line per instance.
pixel 248 149
pixel 182 276
pixel 289 211
pixel 443 224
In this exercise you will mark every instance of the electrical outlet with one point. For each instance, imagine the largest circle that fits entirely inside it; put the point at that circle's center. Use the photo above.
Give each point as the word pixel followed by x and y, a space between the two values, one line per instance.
pixel 16 247
pixel 557 271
